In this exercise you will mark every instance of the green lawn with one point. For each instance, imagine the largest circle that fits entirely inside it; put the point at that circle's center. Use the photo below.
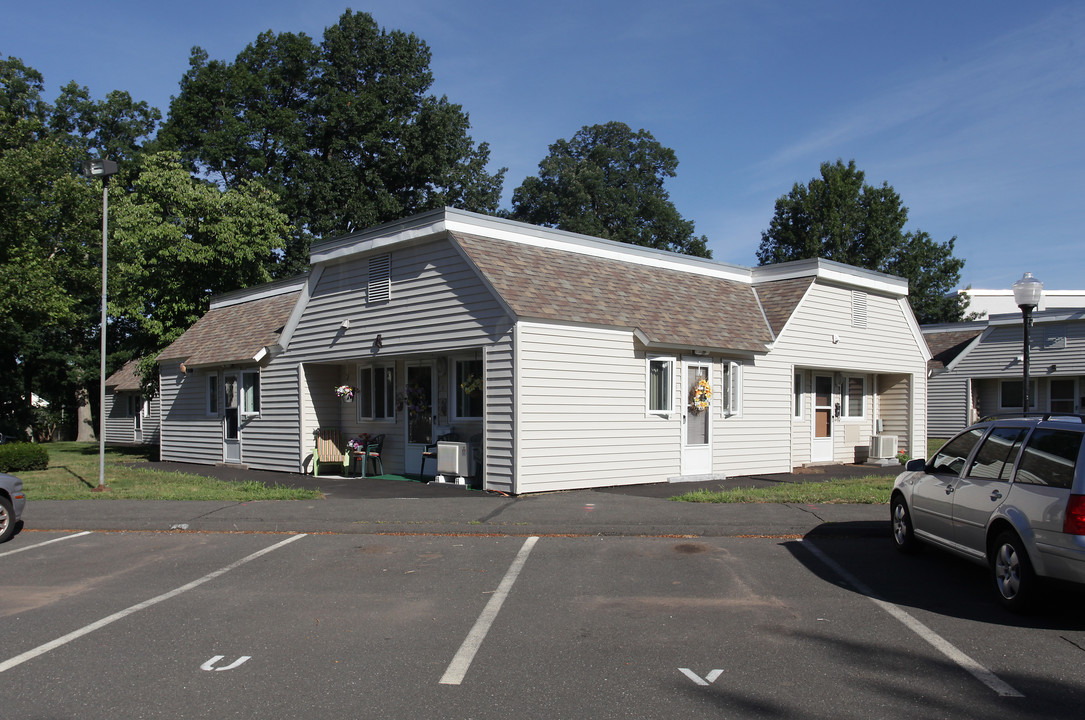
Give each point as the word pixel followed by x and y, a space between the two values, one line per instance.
pixel 873 489
pixel 73 473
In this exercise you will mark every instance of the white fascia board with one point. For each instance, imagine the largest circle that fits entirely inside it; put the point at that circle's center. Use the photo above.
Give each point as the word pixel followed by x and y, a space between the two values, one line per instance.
pixel 258 293
pixel 1045 316
pixel 834 272
pixel 964 353
pixel 299 308
pixel 913 325
pixel 434 223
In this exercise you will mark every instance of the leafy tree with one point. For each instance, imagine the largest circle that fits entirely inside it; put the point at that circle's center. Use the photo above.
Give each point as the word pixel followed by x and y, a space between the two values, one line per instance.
pixel 608 182
pixel 839 217
pixel 343 132
pixel 178 240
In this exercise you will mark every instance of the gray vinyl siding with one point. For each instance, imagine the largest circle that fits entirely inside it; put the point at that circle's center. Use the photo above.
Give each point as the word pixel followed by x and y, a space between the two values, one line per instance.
pixel 120 427
pixel 582 408
pixel 500 415
pixel 267 439
pixel 997 352
pixel 947 405
pixel 188 434
pixel 437 307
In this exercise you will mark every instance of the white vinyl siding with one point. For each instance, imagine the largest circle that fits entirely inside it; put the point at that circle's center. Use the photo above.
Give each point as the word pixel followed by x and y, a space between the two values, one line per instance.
pixel 582 400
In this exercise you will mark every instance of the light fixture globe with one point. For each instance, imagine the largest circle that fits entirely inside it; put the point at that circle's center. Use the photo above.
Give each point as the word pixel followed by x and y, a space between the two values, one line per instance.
pixel 1027 291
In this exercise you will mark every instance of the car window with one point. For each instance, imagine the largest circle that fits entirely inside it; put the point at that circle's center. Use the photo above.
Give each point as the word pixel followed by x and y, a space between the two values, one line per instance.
pixel 1049 458
pixel 954 454
pixel 995 458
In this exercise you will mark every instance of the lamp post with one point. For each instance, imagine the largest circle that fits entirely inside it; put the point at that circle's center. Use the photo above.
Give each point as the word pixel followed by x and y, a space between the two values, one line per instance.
pixel 1026 293
pixel 103 169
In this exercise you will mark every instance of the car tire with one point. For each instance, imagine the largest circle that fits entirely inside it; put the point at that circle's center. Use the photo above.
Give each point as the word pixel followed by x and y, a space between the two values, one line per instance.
pixel 903 532
pixel 1011 572
pixel 7 519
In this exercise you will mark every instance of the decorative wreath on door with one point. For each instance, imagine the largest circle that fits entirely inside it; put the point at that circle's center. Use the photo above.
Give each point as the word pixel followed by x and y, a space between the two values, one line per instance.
pixel 700 395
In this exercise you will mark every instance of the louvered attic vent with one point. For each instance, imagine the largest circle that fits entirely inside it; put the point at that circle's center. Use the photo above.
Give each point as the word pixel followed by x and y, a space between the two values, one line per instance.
pixel 379 288
pixel 858 309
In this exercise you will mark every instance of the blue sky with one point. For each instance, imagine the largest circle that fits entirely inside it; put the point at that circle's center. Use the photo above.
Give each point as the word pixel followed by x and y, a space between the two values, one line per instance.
pixel 973 111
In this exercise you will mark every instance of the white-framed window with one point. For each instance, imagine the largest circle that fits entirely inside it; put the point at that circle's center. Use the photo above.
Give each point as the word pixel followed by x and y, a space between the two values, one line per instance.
pixel 660 385
pixel 250 392
pixel 377 392
pixel 467 389
pixel 731 392
pixel 853 402
pixel 213 395
pixel 1009 394
pixel 797 396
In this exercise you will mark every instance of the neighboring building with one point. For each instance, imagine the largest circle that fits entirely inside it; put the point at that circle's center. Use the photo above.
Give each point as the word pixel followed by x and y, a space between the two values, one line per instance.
pixel 130 416
pixel 567 361
pixel 986 303
pixel 977 368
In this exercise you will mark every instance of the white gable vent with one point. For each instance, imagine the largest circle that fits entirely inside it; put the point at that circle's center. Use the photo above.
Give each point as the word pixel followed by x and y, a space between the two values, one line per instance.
pixel 379 288
pixel 858 309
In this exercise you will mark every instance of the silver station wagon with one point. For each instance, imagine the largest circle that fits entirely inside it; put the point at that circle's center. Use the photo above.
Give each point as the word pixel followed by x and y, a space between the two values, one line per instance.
pixel 1008 493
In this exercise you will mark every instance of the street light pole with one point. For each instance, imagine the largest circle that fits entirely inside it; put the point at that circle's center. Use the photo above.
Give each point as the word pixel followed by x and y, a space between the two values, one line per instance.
pixel 103 169
pixel 1026 293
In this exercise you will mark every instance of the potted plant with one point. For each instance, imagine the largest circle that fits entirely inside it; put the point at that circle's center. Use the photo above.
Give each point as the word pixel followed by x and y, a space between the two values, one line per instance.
pixel 345 393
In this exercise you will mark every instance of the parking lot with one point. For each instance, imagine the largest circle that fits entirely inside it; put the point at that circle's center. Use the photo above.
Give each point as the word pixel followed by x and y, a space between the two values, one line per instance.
pixel 182 624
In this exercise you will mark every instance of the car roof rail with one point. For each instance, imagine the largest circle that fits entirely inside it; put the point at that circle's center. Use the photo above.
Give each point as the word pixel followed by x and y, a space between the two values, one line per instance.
pixel 1041 416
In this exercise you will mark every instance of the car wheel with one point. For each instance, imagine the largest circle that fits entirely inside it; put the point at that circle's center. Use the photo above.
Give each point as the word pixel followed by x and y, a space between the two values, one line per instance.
pixel 7 519
pixel 903 533
pixel 1015 582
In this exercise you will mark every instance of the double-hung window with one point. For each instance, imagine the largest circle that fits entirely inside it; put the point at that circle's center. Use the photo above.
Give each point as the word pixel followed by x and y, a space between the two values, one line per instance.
pixel 213 395
pixel 467 390
pixel 731 400
pixel 1009 394
pixel 377 392
pixel 250 392
pixel 854 400
pixel 660 385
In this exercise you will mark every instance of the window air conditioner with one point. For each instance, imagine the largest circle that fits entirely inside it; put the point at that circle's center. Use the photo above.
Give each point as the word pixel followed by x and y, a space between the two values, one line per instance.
pixel 451 462
pixel 883 446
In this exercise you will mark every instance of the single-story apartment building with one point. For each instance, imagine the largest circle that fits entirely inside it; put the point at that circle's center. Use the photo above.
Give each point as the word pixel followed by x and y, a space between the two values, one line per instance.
pixel 977 368
pixel 131 417
pixel 566 361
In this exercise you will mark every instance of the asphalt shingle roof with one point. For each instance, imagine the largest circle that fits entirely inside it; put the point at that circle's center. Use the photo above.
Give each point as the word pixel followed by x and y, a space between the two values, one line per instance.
pixel 780 298
pixel 668 306
pixel 234 333
pixel 126 379
pixel 945 346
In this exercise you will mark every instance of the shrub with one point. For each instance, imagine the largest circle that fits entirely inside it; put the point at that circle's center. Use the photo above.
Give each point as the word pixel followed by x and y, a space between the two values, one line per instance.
pixel 16 457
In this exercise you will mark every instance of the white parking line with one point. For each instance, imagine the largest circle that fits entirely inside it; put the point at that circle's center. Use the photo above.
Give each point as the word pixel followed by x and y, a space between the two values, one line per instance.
pixel 86 630
pixel 457 669
pixel 47 542
pixel 981 673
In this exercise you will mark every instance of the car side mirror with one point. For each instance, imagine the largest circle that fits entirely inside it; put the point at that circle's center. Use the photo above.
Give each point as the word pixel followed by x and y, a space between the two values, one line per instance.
pixel 918 464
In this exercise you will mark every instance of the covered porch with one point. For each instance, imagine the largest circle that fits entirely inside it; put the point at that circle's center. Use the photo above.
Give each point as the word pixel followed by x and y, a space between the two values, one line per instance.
pixel 410 402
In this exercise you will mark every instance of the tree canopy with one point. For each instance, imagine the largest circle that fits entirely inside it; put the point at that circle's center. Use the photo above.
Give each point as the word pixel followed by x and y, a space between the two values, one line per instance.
pixel 607 181
pixel 344 132
pixel 837 216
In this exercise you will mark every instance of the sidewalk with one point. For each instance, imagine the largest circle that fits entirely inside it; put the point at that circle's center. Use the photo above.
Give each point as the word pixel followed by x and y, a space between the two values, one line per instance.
pixel 372 506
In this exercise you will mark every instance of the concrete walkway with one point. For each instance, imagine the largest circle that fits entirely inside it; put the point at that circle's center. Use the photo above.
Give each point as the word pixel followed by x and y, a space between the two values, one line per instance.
pixel 373 506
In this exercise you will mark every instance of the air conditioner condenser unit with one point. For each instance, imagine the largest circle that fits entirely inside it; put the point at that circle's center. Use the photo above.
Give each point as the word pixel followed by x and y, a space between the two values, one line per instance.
pixel 883 446
pixel 451 463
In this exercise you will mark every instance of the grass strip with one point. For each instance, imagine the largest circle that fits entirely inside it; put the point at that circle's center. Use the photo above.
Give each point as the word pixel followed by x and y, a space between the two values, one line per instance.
pixel 73 474
pixel 872 490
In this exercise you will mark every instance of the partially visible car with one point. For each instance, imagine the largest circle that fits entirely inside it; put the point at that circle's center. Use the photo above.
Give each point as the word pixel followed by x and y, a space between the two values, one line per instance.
pixel 12 502
pixel 1006 492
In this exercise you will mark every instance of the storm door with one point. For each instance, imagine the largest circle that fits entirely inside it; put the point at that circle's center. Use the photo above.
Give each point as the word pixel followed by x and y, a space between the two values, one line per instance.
pixel 697 418
pixel 420 409
pixel 821 445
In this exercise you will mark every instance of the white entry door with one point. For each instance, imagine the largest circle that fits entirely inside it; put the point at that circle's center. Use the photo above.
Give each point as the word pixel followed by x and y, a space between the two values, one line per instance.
pixel 696 421
pixel 821 444
pixel 421 411
pixel 231 420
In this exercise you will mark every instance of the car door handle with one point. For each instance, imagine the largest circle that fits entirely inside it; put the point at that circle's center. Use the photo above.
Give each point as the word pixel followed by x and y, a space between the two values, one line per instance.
pixel 949 490
pixel 996 495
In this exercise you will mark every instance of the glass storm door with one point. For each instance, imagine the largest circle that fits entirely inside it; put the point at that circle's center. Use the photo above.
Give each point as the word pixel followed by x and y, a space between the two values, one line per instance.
pixel 421 410
pixel 821 445
pixel 697 423
pixel 231 421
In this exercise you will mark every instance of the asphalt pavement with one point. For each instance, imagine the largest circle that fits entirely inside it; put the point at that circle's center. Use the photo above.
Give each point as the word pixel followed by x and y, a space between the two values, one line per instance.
pixel 379 506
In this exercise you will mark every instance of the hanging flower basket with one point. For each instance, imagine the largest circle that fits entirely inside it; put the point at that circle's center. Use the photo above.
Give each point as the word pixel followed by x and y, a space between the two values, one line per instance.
pixel 700 396
pixel 473 383
pixel 346 392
